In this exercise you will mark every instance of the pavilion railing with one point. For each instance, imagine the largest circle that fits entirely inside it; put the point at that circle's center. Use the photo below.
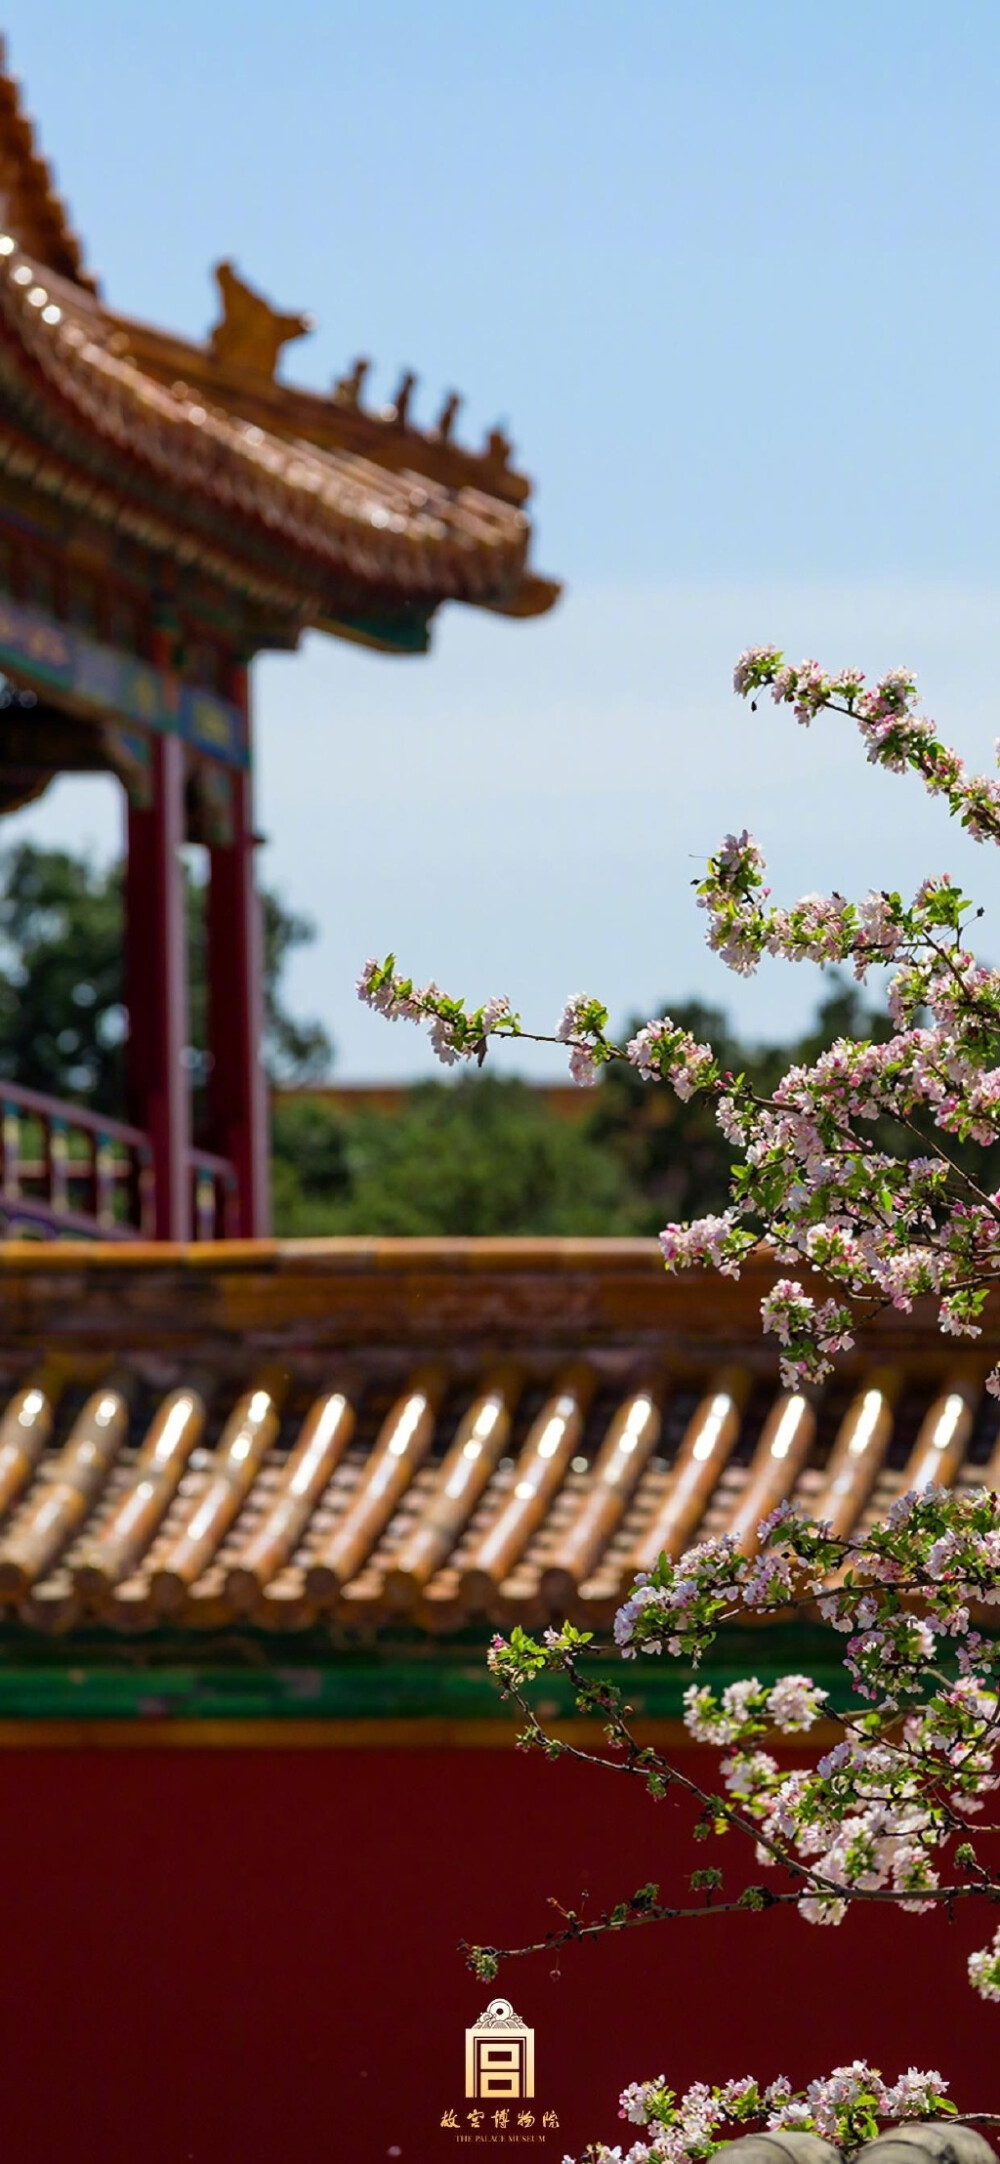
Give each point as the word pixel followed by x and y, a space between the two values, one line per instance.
pixel 215 1199
pixel 69 1173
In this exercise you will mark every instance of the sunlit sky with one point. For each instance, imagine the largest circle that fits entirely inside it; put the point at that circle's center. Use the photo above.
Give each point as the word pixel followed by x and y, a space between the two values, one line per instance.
pixel 729 270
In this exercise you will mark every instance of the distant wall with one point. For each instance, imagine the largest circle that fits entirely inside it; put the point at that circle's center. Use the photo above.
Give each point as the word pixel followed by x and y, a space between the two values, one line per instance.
pixel 565 1099
pixel 218 1957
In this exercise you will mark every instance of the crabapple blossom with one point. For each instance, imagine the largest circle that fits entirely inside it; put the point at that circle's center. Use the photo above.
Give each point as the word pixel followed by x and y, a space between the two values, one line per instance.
pixel 455 1033
pixel 860 1174
pixel 813 1179
pixel 984 1969
pixel 846 2106
pixel 883 1813
pixel 660 1051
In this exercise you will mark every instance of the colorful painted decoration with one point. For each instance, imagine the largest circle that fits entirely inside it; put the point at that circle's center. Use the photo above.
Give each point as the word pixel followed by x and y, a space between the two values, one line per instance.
pixel 56 657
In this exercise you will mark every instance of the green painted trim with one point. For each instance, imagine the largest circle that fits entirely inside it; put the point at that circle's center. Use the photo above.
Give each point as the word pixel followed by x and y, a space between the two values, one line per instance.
pixel 248 1677
pixel 388 633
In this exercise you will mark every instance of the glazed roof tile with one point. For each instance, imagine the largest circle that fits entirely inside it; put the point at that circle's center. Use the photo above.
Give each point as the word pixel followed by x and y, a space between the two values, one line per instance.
pixel 31 206
pixel 345 515
pixel 376 1432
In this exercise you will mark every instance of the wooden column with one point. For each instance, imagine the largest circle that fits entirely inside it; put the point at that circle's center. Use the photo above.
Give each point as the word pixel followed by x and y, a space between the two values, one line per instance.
pixel 156 985
pixel 236 1084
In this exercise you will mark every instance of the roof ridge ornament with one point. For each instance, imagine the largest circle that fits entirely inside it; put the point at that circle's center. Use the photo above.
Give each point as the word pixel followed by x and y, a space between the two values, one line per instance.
pixel 497 451
pixel 252 332
pixel 445 423
pixel 398 413
pixel 347 389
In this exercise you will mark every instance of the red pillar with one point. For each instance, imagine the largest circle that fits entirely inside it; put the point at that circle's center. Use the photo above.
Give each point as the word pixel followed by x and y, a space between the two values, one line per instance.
pixel 236 1085
pixel 156 986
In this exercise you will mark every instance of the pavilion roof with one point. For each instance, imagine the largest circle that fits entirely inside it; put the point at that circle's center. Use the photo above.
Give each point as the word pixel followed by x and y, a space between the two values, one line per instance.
pixel 326 509
pixel 29 204
pixel 428 1433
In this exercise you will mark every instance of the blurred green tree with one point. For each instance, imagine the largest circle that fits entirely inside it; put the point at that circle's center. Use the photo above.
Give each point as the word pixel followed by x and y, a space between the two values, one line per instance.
pixel 480 1155
pixel 63 1024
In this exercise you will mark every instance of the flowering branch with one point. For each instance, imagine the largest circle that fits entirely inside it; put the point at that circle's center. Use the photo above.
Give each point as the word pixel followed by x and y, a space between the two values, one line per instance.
pixel 813 1179
pixel 847 2107
pixel 884 1815
pixel 919 1723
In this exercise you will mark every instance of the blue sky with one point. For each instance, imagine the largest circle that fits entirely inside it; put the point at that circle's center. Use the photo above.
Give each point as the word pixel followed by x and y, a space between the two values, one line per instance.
pixel 728 269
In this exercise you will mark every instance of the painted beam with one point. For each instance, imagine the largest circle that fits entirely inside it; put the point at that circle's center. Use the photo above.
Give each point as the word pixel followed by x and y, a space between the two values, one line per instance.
pixel 93 679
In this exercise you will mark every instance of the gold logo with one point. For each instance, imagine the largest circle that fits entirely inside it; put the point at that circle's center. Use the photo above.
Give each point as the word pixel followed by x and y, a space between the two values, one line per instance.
pixel 499 2054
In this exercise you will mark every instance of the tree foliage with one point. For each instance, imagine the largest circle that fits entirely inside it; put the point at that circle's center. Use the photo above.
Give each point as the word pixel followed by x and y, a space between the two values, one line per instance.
pixel 62 1018
pixel 63 1023
pixel 487 1155
pixel 481 1155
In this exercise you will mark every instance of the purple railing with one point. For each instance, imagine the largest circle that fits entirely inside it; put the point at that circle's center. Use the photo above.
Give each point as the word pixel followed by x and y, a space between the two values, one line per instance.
pixel 215 1201
pixel 68 1172
pixel 65 1170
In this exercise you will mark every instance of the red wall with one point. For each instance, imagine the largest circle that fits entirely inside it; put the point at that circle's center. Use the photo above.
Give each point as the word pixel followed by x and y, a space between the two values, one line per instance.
pixel 218 1957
